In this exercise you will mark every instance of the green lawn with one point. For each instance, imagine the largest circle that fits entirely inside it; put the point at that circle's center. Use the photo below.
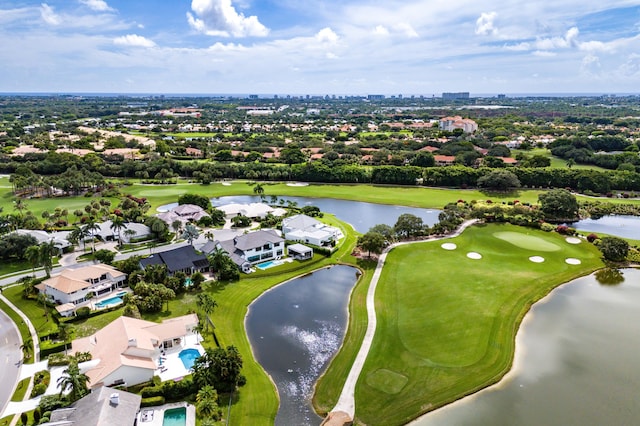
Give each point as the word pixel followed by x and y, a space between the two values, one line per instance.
pixel 447 323
pixel 556 162
pixel 32 309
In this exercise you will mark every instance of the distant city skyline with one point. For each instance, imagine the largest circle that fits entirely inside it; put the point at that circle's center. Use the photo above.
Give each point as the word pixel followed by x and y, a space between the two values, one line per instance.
pixel 352 47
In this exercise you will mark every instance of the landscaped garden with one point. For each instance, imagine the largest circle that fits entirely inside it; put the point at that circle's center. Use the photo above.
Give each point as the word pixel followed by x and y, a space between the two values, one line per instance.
pixel 447 319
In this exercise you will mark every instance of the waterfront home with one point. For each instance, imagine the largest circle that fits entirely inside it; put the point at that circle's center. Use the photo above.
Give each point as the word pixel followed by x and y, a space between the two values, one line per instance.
pixel 128 351
pixel 306 229
pixel 102 407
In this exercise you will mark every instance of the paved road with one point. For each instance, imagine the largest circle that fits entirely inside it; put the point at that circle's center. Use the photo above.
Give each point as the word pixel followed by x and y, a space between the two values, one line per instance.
pixel 10 357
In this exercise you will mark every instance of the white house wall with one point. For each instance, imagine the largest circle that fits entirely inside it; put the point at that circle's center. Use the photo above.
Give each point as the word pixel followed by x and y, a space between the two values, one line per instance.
pixel 131 375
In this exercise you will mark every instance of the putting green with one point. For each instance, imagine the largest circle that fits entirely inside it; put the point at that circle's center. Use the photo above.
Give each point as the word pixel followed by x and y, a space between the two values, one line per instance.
pixel 528 242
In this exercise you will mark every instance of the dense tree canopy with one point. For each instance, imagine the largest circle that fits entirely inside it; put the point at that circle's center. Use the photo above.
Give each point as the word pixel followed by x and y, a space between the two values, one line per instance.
pixel 558 204
pixel 614 248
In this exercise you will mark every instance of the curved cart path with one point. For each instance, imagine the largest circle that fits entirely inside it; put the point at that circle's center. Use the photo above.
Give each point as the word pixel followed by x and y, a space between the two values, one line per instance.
pixel 346 403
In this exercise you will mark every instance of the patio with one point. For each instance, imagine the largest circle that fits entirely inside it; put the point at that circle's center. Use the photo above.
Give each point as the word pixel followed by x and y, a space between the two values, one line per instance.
pixel 170 366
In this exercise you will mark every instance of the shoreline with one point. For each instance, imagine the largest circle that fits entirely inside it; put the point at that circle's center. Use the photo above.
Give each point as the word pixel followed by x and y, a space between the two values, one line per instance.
pixel 516 366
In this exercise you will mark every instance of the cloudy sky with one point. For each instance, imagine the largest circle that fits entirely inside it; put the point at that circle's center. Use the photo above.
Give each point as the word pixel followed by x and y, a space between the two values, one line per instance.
pixel 320 46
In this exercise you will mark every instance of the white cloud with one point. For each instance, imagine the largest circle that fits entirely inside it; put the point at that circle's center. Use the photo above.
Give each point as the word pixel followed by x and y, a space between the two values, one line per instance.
pixel 97 5
pixel 543 53
pixel 484 24
pixel 327 35
pixel 381 30
pixel 590 65
pixel 134 40
pixel 48 15
pixel 220 18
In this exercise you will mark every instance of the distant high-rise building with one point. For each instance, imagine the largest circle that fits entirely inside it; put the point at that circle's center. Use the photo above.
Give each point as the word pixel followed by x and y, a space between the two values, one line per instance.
pixel 450 96
pixel 375 97
pixel 253 96
pixel 502 96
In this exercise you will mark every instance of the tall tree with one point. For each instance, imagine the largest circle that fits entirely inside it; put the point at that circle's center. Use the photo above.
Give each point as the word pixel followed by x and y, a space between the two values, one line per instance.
pixel 117 225
pixel 190 233
pixel 73 381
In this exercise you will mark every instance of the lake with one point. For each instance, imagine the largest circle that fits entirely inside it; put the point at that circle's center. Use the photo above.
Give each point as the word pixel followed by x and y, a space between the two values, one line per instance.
pixel 621 226
pixel 577 363
pixel 362 216
pixel 295 329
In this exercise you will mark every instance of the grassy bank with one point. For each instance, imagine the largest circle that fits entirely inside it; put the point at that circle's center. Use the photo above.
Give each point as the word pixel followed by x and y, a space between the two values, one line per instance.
pixel 448 323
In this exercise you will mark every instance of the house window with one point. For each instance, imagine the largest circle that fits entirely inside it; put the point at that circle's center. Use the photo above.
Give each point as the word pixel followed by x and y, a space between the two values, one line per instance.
pixel 266 247
pixel 277 245
pixel 279 253
pixel 253 258
pixel 266 255
pixel 258 249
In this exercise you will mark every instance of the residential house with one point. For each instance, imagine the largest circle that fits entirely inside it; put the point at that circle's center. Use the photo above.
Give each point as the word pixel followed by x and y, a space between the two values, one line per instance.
pixel 59 239
pixel 185 213
pixel 130 231
pixel 251 248
pixel 451 123
pixel 306 229
pixel 102 407
pixel 251 210
pixel 127 350
pixel 77 286
pixel 184 259
pixel 444 160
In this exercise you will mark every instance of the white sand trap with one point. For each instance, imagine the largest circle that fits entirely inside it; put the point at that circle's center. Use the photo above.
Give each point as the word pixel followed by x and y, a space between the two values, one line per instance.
pixel 572 261
pixel 226 183
pixel 297 184
pixel 573 240
pixel 474 255
pixel 536 259
pixel 449 246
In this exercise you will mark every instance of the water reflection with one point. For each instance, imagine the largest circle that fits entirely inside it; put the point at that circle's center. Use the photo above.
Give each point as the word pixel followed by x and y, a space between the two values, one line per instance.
pixel 362 216
pixel 609 276
pixel 577 363
pixel 294 330
pixel 621 226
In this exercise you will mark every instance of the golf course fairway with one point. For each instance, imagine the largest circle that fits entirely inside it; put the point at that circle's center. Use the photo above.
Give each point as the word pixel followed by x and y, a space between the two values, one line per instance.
pixel 447 322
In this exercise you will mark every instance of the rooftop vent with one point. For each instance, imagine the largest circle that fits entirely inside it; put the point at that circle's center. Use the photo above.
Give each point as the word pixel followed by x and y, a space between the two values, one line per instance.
pixel 114 399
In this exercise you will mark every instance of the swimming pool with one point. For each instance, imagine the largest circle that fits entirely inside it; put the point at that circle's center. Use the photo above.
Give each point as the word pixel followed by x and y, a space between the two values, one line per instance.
pixel 269 264
pixel 115 300
pixel 175 416
pixel 188 357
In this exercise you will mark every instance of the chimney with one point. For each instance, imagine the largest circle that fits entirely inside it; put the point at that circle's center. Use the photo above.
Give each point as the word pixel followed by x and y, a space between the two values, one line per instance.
pixel 114 399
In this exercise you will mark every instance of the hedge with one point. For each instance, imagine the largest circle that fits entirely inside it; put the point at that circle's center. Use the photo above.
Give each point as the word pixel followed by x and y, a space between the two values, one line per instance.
pixel 151 402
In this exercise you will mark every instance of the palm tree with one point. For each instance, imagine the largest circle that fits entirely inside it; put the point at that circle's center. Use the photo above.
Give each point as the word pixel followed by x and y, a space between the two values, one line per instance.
pixel 27 348
pixel 73 381
pixel 117 224
pixel 217 257
pixel 190 233
pixel 130 233
pixel 90 229
pixel 209 235
pixel 32 254
pixel 176 225
pixel 20 205
pixel 207 304
pixel 207 403
pixel 259 190
pixel 46 252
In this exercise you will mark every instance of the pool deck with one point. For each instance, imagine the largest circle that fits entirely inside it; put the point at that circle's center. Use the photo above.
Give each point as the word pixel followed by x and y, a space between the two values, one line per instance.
pixel 172 366
pixel 154 416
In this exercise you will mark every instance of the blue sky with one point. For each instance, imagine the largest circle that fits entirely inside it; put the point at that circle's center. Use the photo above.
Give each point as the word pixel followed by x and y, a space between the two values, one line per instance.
pixel 320 47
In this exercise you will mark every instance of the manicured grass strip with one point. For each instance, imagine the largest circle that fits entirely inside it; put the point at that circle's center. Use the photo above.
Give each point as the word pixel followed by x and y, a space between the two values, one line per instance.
pixel 21 390
pixel 17 320
pixel 32 309
pixel 448 323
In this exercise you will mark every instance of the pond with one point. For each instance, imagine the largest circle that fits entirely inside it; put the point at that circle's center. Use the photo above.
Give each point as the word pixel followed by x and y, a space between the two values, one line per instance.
pixel 576 362
pixel 294 330
pixel 621 226
pixel 362 216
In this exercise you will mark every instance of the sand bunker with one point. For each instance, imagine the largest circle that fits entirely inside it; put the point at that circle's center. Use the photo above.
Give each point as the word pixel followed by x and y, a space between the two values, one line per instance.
pixel 572 261
pixel 536 259
pixel 226 183
pixel 449 246
pixel 474 255
pixel 297 184
pixel 573 240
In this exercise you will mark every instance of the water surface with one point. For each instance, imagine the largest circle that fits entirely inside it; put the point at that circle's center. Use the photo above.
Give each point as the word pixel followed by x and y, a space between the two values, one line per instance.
pixel 618 225
pixel 578 363
pixel 294 330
